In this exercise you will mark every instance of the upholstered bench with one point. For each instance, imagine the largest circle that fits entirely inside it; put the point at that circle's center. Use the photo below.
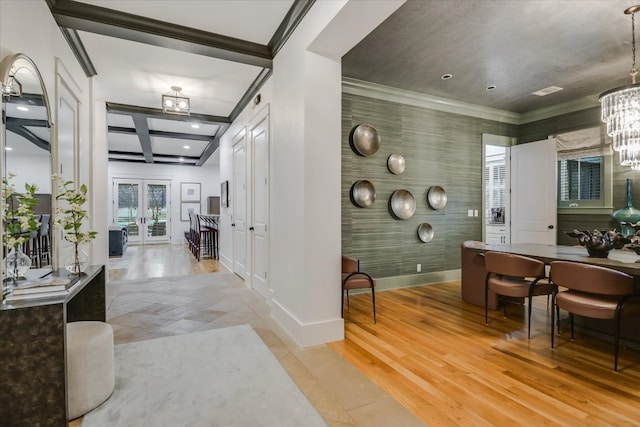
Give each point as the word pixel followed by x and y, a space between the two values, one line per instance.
pixel 90 375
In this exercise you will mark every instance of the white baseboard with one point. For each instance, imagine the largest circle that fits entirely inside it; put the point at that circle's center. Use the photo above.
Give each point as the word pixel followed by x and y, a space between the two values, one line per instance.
pixel 308 334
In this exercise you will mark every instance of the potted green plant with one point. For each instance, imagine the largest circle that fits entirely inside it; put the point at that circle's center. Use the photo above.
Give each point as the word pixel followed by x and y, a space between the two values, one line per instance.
pixel 19 223
pixel 70 216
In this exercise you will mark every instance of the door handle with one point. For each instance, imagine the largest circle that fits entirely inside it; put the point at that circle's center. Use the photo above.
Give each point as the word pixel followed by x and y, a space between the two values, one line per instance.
pixel 233 224
pixel 550 227
pixel 251 228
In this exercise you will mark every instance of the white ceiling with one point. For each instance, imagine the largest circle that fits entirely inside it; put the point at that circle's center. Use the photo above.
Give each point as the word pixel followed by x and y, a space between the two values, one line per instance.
pixel 138 74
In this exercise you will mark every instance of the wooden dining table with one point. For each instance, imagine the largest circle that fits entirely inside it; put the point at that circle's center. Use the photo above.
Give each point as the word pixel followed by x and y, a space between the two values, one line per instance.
pixel 619 259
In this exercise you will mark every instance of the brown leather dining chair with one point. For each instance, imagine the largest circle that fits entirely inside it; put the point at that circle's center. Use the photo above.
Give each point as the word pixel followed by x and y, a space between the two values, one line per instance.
pixel 595 292
pixel 353 278
pixel 514 276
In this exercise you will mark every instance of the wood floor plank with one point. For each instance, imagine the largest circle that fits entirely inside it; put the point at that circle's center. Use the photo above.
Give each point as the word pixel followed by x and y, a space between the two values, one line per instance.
pixel 433 353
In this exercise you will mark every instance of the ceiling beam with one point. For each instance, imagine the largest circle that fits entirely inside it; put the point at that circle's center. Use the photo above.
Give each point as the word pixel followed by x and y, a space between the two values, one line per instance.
pixel 36 123
pixel 212 147
pixel 298 10
pixel 157 113
pixel 159 156
pixel 162 134
pixel 251 92
pixel 79 51
pixel 142 29
pixel 29 136
pixel 142 129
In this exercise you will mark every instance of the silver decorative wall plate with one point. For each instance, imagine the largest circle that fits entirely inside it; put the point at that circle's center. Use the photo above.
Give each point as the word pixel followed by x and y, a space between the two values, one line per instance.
pixel 436 197
pixel 363 193
pixel 365 140
pixel 402 204
pixel 425 232
pixel 396 164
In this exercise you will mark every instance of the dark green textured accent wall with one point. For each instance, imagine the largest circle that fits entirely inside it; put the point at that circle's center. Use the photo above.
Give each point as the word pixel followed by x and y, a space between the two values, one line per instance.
pixel 439 149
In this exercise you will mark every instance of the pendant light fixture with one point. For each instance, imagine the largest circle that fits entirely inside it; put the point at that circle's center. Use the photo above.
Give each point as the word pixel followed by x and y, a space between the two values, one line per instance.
pixel 174 103
pixel 621 110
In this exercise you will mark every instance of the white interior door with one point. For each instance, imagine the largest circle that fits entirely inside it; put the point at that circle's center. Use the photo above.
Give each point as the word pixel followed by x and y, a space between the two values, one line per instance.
pixel 533 192
pixel 143 207
pixel 67 143
pixel 239 206
pixel 259 256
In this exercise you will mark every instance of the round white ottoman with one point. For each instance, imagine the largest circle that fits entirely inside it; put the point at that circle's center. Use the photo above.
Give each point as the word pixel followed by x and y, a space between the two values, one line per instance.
pixel 90 376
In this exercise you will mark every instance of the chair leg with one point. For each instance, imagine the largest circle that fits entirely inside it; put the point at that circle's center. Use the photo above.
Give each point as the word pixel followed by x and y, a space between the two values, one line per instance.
pixel 486 301
pixel 616 343
pixel 571 320
pixel 373 300
pixel 348 305
pixel 553 318
pixel 529 320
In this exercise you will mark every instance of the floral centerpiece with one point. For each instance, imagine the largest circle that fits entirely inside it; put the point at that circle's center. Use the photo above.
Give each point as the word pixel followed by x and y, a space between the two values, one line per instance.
pixel 70 217
pixel 19 222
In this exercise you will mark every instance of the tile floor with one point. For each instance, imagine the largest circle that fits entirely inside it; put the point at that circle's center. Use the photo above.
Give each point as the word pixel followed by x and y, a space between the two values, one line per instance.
pixel 150 308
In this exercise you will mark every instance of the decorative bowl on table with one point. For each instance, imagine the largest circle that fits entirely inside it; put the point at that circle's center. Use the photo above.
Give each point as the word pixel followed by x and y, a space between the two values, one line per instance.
pixel 598 243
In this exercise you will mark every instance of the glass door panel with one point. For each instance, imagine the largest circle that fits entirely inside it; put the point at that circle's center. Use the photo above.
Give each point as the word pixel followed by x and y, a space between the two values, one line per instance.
pixel 142 206
pixel 127 208
pixel 156 210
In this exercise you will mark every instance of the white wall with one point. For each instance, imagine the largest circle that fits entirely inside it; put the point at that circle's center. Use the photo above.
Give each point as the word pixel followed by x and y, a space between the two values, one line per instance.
pixel 208 176
pixel 27 27
pixel 305 234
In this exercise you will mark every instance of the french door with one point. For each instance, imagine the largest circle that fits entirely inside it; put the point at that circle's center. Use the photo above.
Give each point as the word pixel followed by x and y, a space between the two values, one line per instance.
pixel 143 207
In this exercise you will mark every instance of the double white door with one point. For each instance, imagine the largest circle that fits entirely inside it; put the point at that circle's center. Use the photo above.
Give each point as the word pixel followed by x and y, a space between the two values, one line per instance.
pixel 250 204
pixel 143 206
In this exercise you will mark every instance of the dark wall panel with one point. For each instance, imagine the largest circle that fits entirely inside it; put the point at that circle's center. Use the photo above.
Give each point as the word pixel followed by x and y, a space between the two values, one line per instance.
pixel 439 149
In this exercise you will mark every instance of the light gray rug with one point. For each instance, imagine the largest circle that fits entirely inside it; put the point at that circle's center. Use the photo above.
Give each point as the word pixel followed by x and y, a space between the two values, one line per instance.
pixel 223 377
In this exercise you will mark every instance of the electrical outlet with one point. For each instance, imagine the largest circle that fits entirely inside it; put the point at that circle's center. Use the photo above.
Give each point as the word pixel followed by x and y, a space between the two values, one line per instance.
pixel 475 212
pixel 470 212
pixel 419 268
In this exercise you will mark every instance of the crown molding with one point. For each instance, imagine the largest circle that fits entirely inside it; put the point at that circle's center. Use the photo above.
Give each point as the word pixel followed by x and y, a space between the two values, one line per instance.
pixel 559 109
pixel 391 94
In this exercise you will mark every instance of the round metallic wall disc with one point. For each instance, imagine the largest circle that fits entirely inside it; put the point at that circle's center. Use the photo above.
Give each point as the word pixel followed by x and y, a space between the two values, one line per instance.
pixel 436 197
pixel 365 140
pixel 403 205
pixel 363 193
pixel 425 232
pixel 396 164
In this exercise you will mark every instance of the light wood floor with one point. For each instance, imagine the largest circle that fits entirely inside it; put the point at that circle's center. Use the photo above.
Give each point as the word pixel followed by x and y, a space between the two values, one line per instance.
pixel 433 353
pixel 161 260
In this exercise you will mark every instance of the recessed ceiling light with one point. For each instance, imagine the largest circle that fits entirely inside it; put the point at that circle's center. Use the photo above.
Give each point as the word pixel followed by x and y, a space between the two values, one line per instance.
pixel 181 159
pixel 195 126
pixel 490 87
pixel 546 91
pixel 186 147
pixel 446 76
pixel 22 108
pixel 8 148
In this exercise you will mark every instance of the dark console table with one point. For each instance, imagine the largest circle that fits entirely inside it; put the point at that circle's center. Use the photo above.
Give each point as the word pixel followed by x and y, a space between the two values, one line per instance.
pixel 33 383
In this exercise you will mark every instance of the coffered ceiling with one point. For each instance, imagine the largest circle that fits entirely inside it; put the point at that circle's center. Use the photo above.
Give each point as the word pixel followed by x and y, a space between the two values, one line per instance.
pixel 218 52
pixel 498 52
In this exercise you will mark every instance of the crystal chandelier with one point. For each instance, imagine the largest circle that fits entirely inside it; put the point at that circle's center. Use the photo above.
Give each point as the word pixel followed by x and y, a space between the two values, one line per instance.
pixel 621 110
pixel 174 103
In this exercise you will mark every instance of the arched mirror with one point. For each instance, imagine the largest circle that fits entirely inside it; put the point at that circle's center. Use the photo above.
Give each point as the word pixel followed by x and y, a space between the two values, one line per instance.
pixel 25 150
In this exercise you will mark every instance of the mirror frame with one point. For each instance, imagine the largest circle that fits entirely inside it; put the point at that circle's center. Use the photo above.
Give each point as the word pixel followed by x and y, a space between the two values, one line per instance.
pixel 9 65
